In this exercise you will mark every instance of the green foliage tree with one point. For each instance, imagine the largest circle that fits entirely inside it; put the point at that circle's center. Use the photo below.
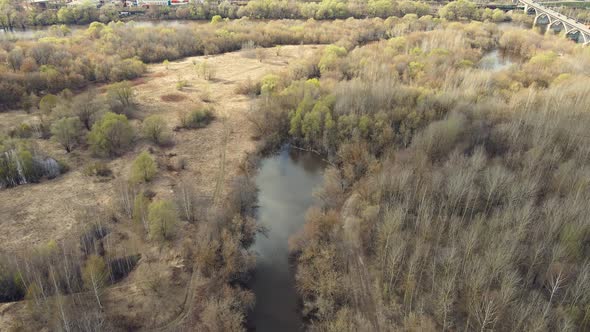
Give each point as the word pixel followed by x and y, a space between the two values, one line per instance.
pixel 111 135
pixel 269 84
pixel 154 128
pixel 144 168
pixel 163 217
pixel 48 103
pixel 197 119
pixel 331 9
pixel 330 57
pixel 66 131
pixel 216 19
pixel 381 8
pixel 15 58
pixel 459 10
pixel 120 96
pixel 87 108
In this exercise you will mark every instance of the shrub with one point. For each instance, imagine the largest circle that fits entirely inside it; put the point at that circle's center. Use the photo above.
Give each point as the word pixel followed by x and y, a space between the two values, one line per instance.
pixel 162 216
pixel 66 131
pixel 248 88
pixel 120 97
pixel 111 135
pixel 87 108
pixel 197 119
pixel 11 286
pixel 48 103
pixel 23 130
pixel 17 166
pixel 154 128
pixel 269 84
pixel 330 58
pixel 181 84
pixel 144 168
pixel 95 275
pixel 205 70
pixel 98 168
pixel 216 19
pixel 459 10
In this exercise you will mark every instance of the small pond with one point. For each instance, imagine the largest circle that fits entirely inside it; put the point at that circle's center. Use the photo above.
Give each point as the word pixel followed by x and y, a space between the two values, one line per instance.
pixel 495 60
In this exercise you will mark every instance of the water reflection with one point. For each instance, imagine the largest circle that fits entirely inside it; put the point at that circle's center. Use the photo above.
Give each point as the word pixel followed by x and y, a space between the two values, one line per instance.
pixel 496 60
pixel 286 183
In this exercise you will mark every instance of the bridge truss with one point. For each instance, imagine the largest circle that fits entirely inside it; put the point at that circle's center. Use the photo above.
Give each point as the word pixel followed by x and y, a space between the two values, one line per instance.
pixel 571 26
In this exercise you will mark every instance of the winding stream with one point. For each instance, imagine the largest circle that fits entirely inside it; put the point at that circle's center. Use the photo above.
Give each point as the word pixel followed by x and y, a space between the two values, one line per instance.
pixel 286 182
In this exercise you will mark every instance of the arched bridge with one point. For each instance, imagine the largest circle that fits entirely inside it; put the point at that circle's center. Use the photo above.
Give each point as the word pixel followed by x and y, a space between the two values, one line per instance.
pixel 573 29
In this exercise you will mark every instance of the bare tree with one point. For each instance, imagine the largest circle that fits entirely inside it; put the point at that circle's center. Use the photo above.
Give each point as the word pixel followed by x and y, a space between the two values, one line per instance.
pixel 486 312
pixel 554 284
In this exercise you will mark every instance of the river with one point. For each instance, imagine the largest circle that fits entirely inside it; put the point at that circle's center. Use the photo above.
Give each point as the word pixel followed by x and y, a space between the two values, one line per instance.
pixel 286 182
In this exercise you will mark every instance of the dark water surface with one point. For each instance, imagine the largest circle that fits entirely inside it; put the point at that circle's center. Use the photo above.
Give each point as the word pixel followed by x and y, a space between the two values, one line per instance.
pixel 496 61
pixel 286 182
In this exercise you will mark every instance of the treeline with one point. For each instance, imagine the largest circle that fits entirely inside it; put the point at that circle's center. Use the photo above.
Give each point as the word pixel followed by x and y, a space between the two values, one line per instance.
pixel 115 52
pixel 456 200
pixel 16 16
pixel 467 10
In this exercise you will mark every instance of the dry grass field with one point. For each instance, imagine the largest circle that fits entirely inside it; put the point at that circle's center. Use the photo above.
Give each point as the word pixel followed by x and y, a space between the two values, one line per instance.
pixel 34 214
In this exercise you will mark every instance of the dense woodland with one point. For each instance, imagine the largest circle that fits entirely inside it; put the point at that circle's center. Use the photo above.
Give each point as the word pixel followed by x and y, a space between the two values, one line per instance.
pixel 455 199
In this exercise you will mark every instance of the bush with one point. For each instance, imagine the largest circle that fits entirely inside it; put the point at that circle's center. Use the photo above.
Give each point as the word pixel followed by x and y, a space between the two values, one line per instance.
pixel 17 166
pixel 95 274
pixel 120 97
pixel 206 71
pixel 154 128
pixel 181 84
pixel 216 19
pixel 197 119
pixel 248 88
pixel 11 286
pixel 162 216
pixel 48 103
pixel 66 131
pixel 459 10
pixel 144 168
pixel 330 58
pixel 23 130
pixel 98 168
pixel 111 135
